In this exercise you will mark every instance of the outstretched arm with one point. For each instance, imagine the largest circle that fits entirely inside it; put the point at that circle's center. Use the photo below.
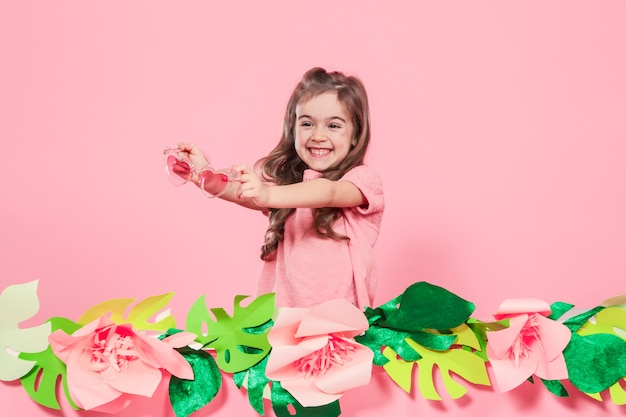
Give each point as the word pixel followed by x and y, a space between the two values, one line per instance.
pixel 249 191
pixel 315 193
pixel 215 186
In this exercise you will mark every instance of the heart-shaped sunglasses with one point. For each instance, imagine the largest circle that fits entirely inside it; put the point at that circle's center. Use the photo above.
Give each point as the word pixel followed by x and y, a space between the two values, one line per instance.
pixel 181 170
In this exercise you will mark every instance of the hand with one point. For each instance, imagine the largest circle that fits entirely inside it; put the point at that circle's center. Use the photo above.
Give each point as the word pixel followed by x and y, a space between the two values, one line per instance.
pixel 251 186
pixel 195 155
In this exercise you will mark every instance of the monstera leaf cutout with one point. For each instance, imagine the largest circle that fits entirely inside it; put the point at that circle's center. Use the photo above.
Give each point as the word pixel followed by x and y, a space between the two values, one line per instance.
pixel 240 340
pixel 139 316
pixel 460 361
pixel 41 382
pixel 19 303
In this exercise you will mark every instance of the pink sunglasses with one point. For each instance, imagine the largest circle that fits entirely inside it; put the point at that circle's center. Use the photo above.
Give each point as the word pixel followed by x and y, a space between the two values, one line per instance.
pixel 181 170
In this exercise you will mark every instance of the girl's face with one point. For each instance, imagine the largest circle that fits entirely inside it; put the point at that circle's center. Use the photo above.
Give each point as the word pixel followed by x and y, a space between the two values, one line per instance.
pixel 323 132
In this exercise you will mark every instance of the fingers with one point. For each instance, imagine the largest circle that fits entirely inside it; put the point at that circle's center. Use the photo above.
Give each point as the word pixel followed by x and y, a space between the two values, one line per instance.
pixel 243 175
pixel 188 147
pixel 241 170
pixel 248 181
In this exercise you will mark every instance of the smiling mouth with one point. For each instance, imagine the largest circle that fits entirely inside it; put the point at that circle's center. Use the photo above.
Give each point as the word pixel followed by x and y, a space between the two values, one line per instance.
pixel 319 151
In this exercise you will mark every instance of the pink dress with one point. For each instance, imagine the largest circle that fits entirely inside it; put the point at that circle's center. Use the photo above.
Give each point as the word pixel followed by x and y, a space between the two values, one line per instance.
pixel 309 269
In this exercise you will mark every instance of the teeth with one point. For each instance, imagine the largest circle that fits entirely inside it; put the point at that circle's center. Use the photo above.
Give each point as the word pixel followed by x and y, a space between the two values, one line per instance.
pixel 319 152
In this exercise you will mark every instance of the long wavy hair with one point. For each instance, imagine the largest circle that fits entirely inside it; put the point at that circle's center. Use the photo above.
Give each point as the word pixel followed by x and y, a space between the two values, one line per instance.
pixel 283 165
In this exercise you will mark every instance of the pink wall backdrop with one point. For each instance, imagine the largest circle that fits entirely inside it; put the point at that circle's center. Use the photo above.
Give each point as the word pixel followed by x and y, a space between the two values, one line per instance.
pixel 498 128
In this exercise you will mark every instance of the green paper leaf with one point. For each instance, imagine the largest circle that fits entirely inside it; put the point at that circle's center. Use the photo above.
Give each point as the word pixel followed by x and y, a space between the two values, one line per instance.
pixel 595 362
pixel 376 338
pixel 463 363
pixel 41 382
pixel 555 387
pixel 138 316
pixel 241 340
pixel 607 320
pixel 382 311
pixel 187 396
pixel 576 322
pixel 558 309
pixel 255 381
pixel 282 401
pixel 416 314
pixel 480 329
pixel 398 369
pixel 617 394
pixel 433 341
pixel 426 306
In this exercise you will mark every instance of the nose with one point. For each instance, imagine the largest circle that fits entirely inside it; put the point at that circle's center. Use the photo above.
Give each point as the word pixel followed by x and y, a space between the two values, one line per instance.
pixel 318 135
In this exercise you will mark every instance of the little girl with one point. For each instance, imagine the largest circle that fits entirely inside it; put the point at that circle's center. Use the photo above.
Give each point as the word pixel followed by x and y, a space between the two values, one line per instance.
pixel 324 205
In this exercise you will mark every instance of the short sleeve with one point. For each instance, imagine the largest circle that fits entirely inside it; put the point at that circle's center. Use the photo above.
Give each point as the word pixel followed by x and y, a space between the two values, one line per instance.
pixel 369 182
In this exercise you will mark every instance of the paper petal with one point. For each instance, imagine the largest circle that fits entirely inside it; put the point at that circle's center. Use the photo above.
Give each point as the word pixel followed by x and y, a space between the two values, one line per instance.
pixel 555 369
pixel 87 389
pixel 554 338
pixel 499 342
pixel 138 378
pixel 164 356
pixel 508 375
pixel 515 306
pixel 307 393
pixel 281 359
pixel 336 316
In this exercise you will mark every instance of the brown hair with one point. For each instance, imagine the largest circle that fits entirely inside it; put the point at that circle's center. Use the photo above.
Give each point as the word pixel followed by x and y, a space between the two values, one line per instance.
pixel 283 165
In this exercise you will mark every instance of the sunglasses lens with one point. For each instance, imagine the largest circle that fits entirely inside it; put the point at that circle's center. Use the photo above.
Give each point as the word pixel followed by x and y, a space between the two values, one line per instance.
pixel 178 171
pixel 214 181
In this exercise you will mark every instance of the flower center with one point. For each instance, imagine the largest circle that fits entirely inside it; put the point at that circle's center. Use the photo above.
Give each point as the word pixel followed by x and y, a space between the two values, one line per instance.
pixel 329 357
pixel 522 344
pixel 112 349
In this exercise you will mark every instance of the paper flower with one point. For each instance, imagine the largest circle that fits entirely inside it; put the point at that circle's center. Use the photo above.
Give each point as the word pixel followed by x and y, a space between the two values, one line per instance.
pixel 531 345
pixel 314 355
pixel 19 303
pixel 108 363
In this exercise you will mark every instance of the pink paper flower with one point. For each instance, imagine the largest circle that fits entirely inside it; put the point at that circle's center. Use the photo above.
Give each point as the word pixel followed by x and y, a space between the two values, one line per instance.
pixel 107 364
pixel 531 345
pixel 314 355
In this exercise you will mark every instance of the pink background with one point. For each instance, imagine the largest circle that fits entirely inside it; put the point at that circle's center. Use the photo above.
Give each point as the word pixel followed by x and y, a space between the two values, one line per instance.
pixel 498 128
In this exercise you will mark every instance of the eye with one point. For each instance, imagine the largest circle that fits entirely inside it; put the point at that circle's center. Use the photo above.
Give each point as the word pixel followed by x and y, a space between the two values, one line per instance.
pixel 306 123
pixel 334 126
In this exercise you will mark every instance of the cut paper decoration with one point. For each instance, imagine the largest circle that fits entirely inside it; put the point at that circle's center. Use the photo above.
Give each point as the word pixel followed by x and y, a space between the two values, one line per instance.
pixel 417 314
pixel 108 363
pixel 188 396
pixel 139 316
pixel 241 340
pixel 19 303
pixel 459 361
pixel 434 336
pixel 314 355
pixel 532 344
pixel 41 382
pixel 596 355
pixel 426 328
